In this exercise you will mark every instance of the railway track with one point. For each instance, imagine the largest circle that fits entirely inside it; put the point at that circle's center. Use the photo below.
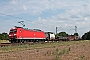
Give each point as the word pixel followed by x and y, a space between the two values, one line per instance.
pixel 16 44
pixel 4 44
pixel 29 43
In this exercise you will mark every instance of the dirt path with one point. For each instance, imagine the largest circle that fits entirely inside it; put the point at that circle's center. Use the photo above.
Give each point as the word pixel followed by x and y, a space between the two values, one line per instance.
pixel 79 51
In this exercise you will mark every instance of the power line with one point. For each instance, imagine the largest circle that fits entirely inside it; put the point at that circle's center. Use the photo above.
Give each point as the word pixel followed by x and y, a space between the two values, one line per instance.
pixel 57 29
pixel 18 18
pixel 14 16
pixel 22 19
pixel 74 29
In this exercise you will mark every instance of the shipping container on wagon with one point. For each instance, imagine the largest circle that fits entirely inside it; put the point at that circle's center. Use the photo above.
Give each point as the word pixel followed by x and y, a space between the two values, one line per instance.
pixel 19 34
pixel 50 36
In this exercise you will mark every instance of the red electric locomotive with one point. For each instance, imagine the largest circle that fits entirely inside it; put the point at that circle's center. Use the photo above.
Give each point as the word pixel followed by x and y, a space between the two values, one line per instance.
pixel 20 35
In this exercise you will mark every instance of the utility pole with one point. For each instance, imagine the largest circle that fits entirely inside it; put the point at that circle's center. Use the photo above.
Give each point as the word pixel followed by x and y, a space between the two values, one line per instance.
pixel 75 32
pixel 75 29
pixel 56 30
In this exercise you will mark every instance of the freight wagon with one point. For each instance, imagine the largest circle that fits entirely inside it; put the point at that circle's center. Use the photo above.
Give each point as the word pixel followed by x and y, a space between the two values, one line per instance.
pixel 50 36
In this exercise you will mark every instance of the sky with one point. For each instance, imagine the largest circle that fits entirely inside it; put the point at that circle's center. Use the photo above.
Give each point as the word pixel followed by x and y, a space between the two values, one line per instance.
pixel 46 15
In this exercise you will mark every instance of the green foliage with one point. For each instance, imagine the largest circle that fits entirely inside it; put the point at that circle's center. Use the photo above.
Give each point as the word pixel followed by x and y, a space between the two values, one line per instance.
pixel 41 46
pixel 57 50
pixel 3 36
pixel 82 57
pixel 86 36
pixel 62 52
pixel 64 34
pixel 76 34
pixel 37 50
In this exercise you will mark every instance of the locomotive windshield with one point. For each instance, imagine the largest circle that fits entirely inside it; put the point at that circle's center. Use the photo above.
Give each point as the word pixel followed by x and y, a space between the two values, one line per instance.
pixel 12 31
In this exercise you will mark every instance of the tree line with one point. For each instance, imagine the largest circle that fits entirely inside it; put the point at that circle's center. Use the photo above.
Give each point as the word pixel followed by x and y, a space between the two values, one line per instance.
pixel 64 34
pixel 86 36
pixel 4 36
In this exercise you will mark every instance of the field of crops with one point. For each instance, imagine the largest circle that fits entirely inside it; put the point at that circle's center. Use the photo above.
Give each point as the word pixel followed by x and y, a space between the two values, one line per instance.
pixel 70 50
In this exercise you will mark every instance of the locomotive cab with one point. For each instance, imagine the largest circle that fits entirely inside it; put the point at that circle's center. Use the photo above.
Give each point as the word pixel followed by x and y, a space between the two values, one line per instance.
pixel 13 34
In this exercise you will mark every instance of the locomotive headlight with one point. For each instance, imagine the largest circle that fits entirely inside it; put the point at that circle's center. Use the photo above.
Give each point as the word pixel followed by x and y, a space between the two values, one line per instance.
pixel 9 35
pixel 14 34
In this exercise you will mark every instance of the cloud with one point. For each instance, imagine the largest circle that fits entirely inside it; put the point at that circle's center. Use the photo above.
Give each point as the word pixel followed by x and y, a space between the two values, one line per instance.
pixel 47 14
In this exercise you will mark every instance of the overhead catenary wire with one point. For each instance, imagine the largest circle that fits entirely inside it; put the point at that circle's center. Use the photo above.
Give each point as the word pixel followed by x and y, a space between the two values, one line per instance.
pixel 14 16
pixel 22 19
pixel 74 29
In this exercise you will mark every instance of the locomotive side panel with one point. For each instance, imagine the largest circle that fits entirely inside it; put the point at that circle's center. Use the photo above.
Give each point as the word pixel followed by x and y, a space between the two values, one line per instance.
pixel 21 35
pixel 26 34
pixel 30 34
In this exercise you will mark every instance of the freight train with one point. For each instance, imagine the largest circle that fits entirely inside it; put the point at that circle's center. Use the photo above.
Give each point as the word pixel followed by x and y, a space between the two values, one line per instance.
pixel 21 35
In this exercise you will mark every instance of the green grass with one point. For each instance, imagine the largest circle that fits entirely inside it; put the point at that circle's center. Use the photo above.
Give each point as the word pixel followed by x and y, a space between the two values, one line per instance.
pixel 82 57
pixel 62 52
pixel 38 46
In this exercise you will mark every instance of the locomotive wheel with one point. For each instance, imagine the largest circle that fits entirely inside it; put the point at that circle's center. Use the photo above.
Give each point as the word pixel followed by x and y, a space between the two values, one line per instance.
pixel 22 41
pixel 11 41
